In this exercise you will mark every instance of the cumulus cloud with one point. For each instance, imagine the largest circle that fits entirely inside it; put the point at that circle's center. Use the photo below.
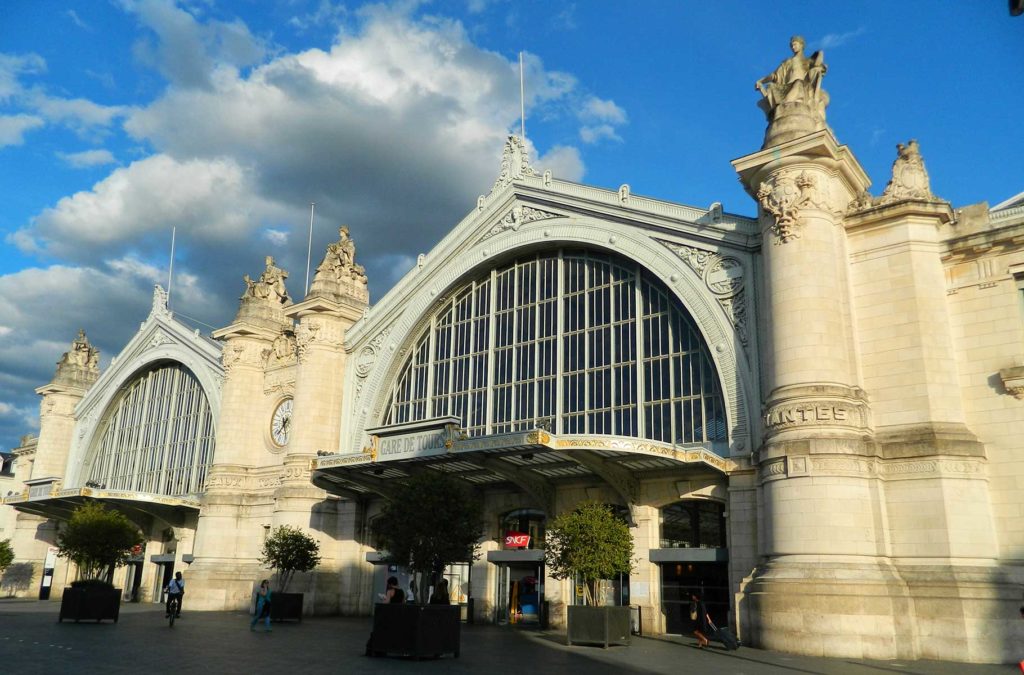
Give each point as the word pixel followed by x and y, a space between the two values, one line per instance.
pixel 393 129
pixel 87 158
pixel 13 128
pixel 597 133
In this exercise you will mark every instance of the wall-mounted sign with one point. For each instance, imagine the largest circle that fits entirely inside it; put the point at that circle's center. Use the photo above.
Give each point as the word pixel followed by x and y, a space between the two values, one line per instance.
pixel 517 540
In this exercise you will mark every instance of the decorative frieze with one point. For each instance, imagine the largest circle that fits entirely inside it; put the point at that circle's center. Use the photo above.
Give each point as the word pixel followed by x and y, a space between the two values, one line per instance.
pixel 871 467
pixel 517 216
pixel 241 353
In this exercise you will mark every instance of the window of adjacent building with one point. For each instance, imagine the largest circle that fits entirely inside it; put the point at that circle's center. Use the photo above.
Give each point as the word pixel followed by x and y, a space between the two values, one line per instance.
pixel 573 341
pixel 693 524
pixel 157 436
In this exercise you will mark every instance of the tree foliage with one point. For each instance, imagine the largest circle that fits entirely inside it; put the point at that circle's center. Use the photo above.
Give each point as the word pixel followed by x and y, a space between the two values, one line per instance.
pixel 98 540
pixel 289 550
pixel 590 542
pixel 432 521
pixel 6 554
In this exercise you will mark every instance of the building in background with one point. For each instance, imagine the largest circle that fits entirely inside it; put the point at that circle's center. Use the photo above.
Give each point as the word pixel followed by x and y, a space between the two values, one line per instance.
pixel 811 416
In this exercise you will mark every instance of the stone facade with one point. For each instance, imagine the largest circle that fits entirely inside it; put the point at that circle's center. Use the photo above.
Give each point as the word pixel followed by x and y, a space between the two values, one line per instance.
pixel 869 352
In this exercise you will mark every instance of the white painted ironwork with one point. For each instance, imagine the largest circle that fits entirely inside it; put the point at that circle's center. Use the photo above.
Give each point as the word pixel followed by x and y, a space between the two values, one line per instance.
pixel 576 342
pixel 157 437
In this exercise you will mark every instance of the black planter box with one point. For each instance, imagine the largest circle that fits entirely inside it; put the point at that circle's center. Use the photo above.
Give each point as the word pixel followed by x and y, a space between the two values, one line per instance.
pixel 598 625
pixel 286 607
pixel 415 630
pixel 90 604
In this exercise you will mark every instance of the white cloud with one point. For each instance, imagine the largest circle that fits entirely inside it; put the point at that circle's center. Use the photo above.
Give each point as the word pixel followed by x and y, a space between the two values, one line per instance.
pixel 77 20
pixel 279 237
pixel 600 110
pixel 87 158
pixel 564 162
pixel 13 128
pixel 596 133
pixel 12 67
pixel 833 40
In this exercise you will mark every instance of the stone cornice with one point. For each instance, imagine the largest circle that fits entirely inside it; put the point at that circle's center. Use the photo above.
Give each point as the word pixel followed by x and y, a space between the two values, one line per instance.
pixel 896 213
pixel 243 329
pixel 325 306
pixel 817 148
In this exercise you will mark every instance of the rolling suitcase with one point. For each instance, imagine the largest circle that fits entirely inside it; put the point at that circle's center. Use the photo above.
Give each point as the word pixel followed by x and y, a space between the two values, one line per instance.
pixel 723 635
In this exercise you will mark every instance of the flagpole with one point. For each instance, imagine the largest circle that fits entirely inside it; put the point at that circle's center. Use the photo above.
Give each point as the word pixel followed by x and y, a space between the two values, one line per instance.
pixel 522 100
pixel 170 268
pixel 309 248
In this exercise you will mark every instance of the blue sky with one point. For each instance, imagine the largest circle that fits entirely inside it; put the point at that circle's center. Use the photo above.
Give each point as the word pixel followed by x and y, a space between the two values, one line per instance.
pixel 121 118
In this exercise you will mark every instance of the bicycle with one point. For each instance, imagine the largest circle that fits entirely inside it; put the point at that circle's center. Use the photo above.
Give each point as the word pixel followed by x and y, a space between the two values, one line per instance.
pixel 174 605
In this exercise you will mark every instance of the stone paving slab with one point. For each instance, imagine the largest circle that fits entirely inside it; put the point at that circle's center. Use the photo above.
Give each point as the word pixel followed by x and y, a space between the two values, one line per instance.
pixel 31 641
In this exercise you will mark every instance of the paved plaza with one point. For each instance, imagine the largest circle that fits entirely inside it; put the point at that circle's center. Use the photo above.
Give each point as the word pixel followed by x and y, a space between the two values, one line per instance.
pixel 31 641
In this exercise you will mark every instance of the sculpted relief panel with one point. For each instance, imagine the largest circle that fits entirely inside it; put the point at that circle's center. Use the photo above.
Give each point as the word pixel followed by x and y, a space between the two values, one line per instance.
pixel 724 276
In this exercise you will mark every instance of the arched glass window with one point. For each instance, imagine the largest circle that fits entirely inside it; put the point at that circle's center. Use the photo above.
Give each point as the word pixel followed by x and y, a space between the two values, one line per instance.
pixel 693 524
pixel 578 342
pixel 157 436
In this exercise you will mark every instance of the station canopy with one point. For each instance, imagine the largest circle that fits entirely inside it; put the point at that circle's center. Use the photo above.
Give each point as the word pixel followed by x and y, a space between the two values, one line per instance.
pixel 534 460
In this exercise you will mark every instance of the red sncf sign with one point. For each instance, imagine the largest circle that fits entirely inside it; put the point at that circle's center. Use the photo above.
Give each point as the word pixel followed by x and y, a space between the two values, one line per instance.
pixel 516 540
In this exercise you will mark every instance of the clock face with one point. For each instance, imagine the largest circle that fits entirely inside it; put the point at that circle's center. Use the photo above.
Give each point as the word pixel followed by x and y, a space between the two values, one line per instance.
pixel 281 423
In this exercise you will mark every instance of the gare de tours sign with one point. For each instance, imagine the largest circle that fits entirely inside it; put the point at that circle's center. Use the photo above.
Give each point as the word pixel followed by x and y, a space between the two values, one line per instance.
pixel 418 439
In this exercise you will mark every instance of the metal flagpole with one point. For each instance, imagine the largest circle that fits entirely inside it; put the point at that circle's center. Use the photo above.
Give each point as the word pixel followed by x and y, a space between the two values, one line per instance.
pixel 309 248
pixel 522 100
pixel 170 268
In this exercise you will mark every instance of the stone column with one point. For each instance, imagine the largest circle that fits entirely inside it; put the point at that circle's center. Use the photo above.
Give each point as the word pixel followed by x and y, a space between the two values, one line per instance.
pixel 77 370
pixel 227 541
pixel 337 298
pixel 645 579
pixel 825 586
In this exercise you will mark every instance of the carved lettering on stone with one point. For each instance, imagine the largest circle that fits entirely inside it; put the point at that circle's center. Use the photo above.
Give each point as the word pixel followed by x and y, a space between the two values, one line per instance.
pixel 825 413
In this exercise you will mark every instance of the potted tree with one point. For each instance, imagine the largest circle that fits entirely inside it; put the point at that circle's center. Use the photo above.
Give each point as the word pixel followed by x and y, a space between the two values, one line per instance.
pixel 289 550
pixel 430 522
pixel 585 545
pixel 97 540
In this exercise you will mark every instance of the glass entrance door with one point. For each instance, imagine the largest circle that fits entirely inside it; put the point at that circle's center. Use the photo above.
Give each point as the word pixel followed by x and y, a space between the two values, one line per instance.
pixel 519 595
pixel 680 579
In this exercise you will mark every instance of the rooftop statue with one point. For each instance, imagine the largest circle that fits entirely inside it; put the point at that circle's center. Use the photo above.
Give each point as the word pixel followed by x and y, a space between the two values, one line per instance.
pixel 339 276
pixel 794 102
pixel 909 177
pixel 80 364
pixel 270 285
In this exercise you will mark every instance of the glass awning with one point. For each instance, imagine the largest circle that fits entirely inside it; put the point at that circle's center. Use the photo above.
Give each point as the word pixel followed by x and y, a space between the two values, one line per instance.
pixel 46 498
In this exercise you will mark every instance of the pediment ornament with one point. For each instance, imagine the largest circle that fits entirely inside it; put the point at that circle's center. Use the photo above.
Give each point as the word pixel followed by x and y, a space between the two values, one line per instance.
pixel 518 216
pixel 514 163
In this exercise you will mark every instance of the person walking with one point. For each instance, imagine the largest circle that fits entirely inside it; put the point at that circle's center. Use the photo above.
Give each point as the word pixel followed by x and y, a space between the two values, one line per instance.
pixel 440 594
pixel 394 593
pixel 175 591
pixel 262 605
pixel 699 620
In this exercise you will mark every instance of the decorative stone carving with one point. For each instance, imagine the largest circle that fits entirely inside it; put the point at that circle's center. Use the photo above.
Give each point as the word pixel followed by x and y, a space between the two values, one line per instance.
pixel 282 351
pixel 785 195
pixel 79 366
pixel 158 339
pixel 159 307
pixel 518 216
pixel 793 101
pixel 724 276
pixel 823 413
pixel 270 286
pixel 1013 381
pixel 514 163
pixel 366 360
pixel 339 277
pixel 239 352
pixel 909 177
pixel 624 193
pixel 305 335
pixel 264 301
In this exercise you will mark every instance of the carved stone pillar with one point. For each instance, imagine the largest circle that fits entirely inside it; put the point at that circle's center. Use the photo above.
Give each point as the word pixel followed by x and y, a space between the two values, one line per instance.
pixel 227 540
pixel 77 370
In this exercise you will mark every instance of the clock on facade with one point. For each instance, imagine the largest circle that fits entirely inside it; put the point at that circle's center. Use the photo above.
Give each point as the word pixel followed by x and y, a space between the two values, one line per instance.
pixel 281 423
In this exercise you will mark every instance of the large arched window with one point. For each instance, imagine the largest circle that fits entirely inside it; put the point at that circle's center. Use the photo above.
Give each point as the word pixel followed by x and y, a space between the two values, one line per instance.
pixel 578 342
pixel 158 436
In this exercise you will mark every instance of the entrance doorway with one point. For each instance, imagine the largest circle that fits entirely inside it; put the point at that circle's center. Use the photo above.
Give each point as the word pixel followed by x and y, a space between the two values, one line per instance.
pixel 520 594
pixel 710 580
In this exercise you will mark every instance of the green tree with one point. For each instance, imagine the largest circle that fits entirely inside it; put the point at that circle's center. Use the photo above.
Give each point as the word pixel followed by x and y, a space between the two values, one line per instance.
pixel 590 543
pixel 98 540
pixel 6 554
pixel 289 550
pixel 430 522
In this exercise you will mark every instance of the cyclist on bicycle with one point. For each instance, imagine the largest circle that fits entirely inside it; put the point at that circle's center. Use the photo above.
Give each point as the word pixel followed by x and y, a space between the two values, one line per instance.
pixel 175 591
